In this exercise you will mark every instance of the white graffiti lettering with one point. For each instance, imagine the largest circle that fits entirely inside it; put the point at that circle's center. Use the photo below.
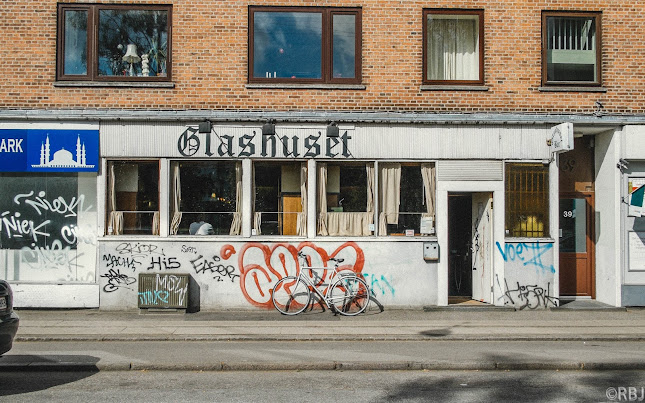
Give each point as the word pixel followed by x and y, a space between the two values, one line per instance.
pixel 14 227
pixel 73 234
pixel 58 205
pixel 52 257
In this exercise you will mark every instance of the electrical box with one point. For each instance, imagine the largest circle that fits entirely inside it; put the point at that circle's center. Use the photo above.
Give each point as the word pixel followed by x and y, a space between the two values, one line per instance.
pixel 431 251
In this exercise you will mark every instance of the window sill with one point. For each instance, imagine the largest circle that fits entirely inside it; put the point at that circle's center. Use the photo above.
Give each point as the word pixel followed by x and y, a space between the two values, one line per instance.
pixel 129 84
pixel 527 240
pixel 427 87
pixel 572 89
pixel 286 86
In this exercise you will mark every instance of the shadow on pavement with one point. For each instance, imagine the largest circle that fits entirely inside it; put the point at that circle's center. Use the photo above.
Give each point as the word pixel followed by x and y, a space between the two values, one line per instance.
pixel 30 373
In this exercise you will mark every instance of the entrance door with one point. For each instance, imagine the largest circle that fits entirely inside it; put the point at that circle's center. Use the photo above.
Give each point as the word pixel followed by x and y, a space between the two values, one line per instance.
pixel 577 185
pixel 470 244
pixel 482 242
pixel 576 274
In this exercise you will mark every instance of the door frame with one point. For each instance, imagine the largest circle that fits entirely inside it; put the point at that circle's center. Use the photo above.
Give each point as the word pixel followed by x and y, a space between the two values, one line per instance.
pixel 497 190
pixel 591 236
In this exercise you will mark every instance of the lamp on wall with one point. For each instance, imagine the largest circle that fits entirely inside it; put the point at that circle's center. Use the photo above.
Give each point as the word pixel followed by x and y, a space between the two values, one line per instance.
pixel 205 127
pixel 268 128
pixel 332 129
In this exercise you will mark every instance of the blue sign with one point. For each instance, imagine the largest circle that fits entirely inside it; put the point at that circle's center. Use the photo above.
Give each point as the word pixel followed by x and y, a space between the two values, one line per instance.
pixel 38 150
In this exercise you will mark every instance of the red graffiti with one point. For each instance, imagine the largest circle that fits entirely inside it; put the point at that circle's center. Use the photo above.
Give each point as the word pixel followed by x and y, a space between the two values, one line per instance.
pixel 261 265
pixel 227 251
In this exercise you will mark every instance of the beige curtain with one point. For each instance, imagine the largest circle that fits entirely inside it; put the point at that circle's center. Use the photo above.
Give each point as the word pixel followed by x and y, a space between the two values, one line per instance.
pixel 322 200
pixel 115 220
pixel 389 195
pixel 428 174
pixel 349 223
pixel 302 216
pixel 369 167
pixel 257 217
pixel 176 200
pixel 155 223
pixel 236 225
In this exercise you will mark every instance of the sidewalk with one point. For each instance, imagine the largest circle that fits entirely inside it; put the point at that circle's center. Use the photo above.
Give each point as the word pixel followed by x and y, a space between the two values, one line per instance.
pixel 413 325
pixel 433 339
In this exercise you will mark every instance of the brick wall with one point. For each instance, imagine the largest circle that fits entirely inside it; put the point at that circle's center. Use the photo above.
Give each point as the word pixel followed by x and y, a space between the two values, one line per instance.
pixel 210 61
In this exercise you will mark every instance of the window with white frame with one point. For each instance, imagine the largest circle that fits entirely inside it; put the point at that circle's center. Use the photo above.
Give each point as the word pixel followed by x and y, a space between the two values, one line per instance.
pixel 453 46
pixel 571 48
pixel 345 198
pixel 133 197
pixel 206 198
pixel 280 198
pixel 406 198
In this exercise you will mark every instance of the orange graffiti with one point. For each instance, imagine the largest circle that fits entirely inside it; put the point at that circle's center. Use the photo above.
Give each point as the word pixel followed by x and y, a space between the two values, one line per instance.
pixel 261 266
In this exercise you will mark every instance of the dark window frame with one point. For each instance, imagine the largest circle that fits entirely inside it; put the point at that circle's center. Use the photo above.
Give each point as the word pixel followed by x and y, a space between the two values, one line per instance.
pixel 480 14
pixel 327 61
pixel 92 42
pixel 597 16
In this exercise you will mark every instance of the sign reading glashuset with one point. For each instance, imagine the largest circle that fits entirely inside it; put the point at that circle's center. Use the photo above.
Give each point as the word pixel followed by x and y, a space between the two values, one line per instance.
pixel 41 150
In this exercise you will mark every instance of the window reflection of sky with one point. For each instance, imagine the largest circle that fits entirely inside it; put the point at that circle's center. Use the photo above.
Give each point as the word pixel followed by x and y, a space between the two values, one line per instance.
pixel 344 46
pixel 288 44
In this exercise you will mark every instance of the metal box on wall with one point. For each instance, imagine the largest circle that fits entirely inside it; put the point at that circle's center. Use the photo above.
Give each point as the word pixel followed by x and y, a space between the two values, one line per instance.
pixel 163 291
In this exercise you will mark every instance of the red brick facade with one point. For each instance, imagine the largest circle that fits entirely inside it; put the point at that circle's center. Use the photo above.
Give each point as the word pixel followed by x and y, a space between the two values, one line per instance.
pixel 210 41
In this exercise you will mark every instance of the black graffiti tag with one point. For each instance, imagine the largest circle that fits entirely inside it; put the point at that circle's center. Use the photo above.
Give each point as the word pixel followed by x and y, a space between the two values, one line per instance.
pixel 117 280
pixel 202 265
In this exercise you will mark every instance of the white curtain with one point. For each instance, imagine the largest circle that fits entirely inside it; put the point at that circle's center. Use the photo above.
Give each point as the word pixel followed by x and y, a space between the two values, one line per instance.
pixel 257 217
pixel 429 187
pixel 302 215
pixel 155 223
pixel 453 48
pixel 176 200
pixel 349 223
pixel 236 225
pixel 389 195
pixel 116 217
pixel 322 200
pixel 370 187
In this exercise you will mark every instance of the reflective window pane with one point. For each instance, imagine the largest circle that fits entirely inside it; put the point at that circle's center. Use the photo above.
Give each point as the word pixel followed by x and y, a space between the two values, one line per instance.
pixel 132 43
pixel 287 45
pixel 571 49
pixel 75 57
pixel 573 225
pixel 344 46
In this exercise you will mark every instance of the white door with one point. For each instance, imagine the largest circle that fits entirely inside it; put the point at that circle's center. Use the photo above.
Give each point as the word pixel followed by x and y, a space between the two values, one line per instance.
pixel 482 246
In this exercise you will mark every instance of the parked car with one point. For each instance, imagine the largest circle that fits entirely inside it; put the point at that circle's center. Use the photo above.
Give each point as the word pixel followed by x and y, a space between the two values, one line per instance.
pixel 8 318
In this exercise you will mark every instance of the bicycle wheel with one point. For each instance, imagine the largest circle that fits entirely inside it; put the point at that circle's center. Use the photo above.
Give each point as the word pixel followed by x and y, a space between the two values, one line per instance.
pixel 349 295
pixel 290 295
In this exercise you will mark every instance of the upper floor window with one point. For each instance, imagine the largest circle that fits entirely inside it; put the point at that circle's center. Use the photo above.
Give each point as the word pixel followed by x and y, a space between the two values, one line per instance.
pixel 453 46
pixel 527 200
pixel 103 42
pixel 304 45
pixel 571 48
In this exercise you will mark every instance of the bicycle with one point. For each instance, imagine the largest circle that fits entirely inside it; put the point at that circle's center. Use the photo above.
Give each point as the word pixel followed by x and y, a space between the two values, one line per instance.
pixel 346 294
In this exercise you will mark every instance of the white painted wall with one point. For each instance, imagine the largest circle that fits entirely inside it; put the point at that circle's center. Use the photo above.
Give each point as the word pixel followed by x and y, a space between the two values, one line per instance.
pixel 240 275
pixel 608 234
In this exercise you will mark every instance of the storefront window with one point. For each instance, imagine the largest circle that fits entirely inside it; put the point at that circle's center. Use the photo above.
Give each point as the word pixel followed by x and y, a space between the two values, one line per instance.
pixel 206 198
pixel 48 227
pixel 345 199
pixel 527 200
pixel 406 198
pixel 280 198
pixel 133 198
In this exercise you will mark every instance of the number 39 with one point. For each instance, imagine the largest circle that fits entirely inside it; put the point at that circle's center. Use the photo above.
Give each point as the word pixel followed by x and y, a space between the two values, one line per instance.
pixel 567 214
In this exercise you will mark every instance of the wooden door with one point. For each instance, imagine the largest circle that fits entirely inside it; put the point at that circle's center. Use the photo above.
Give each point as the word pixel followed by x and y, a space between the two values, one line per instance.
pixel 577 239
pixel 291 204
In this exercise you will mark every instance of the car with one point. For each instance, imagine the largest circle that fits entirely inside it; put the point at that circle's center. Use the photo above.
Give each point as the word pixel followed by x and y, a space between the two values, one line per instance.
pixel 9 320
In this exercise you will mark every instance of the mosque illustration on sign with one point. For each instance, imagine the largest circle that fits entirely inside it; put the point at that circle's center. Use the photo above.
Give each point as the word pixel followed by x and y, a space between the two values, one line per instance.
pixel 63 158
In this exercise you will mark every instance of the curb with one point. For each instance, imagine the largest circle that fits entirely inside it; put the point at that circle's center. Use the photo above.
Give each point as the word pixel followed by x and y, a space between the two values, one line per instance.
pixel 286 338
pixel 326 366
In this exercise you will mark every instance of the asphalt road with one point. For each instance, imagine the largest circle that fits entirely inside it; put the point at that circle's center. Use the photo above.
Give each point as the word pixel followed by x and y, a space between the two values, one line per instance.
pixel 323 386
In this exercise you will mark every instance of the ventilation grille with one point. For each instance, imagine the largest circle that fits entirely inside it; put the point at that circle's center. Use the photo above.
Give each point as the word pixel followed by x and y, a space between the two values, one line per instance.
pixel 163 290
pixel 471 170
